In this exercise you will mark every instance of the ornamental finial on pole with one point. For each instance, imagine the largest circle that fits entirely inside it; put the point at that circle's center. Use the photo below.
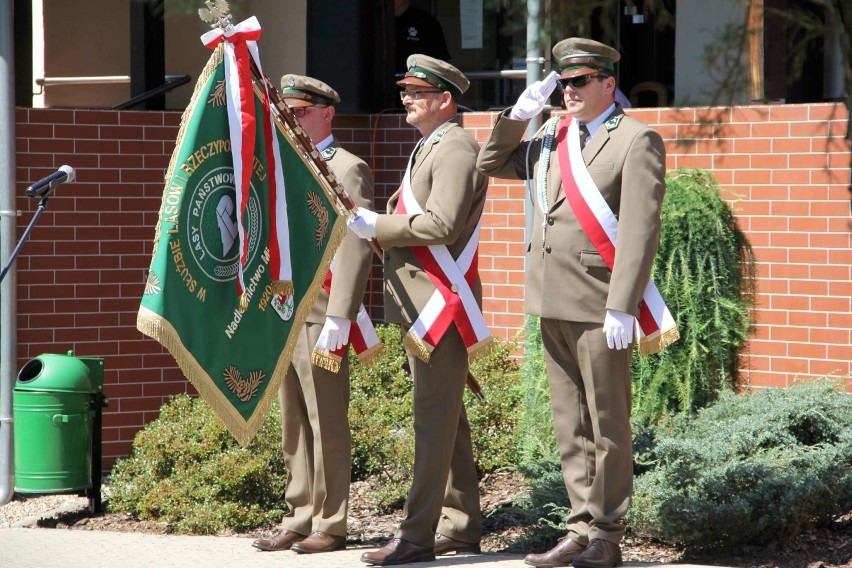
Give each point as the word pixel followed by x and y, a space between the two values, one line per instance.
pixel 217 14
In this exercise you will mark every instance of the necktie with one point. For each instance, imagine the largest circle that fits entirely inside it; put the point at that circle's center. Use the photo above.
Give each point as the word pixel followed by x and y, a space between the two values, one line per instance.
pixel 584 135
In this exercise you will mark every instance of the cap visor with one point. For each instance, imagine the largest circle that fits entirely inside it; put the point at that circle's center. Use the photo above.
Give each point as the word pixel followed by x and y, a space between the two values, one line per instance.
pixel 414 82
pixel 297 103
pixel 578 72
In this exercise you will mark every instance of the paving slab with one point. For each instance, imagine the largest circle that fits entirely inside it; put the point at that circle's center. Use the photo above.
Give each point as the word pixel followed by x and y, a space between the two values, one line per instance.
pixel 68 548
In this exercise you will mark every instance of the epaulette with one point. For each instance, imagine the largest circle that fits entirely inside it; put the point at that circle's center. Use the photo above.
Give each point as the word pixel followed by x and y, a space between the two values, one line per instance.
pixel 613 122
pixel 328 153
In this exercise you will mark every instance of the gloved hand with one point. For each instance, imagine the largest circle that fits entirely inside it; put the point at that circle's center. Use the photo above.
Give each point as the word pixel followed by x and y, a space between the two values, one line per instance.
pixel 618 328
pixel 532 100
pixel 334 334
pixel 363 224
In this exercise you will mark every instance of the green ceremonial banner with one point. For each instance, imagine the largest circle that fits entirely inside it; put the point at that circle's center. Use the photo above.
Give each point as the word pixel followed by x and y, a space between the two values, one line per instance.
pixel 236 358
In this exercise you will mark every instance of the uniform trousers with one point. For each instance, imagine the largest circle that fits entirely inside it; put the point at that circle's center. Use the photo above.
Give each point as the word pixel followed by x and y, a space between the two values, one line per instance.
pixel 444 495
pixel 590 398
pixel 317 442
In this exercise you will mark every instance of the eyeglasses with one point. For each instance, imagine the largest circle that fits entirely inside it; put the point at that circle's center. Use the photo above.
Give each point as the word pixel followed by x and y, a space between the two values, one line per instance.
pixel 300 111
pixel 414 95
pixel 580 82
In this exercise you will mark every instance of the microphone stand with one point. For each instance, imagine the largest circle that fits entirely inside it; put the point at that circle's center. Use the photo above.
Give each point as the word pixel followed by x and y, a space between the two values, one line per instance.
pixel 41 207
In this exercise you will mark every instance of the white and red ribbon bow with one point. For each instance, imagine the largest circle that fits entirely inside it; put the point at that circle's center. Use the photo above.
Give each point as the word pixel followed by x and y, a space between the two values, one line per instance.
pixel 240 43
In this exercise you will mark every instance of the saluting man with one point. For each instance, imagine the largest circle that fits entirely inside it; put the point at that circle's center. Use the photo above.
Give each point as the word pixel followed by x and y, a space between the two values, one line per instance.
pixel 432 289
pixel 599 190
pixel 315 400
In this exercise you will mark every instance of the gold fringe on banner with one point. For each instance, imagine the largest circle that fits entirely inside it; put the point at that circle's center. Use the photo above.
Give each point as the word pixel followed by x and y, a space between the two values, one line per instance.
pixel 417 347
pixel 649 346
pixel 282 287
pixel 325 359
pixel 369 357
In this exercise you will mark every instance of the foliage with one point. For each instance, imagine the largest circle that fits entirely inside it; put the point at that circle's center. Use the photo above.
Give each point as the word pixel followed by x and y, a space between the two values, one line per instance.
pixel 188 471
pixel 705 270
pixel 753 469
pixel 381 416
pixel 536 435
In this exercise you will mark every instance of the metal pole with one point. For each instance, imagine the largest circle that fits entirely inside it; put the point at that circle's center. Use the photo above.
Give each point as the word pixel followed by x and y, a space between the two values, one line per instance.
pixel 535 72
pixel 8 299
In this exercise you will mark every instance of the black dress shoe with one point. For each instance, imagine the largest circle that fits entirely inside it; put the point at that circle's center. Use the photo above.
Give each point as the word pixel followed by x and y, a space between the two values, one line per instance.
pixel 282 541
pixel 445 545
pixel 319 541
pixel 398 551
pixel 563 554
pixel 599 554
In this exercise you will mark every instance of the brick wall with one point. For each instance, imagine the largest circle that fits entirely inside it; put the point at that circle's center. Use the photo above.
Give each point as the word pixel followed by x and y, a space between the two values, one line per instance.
pixel 81 273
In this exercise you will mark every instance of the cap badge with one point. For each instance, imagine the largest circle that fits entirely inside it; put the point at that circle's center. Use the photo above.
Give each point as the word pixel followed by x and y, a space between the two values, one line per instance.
pixel 291 82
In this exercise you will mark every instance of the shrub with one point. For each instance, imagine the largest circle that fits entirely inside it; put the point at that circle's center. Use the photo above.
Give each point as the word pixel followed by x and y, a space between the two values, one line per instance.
pixel 705 270
pixel 188 471
pixel 753 468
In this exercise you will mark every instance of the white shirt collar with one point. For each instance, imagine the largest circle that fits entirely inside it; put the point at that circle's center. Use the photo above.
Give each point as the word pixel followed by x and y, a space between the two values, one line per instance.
pixel 325 143
pixel 596 123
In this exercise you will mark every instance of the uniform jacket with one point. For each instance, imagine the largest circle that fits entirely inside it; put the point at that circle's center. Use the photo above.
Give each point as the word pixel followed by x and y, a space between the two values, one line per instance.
pixel 566 277
pixel 451 192
pixel 353 258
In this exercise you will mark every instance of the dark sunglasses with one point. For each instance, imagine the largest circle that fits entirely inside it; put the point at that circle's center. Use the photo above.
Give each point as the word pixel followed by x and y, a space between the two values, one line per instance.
pixel 580 82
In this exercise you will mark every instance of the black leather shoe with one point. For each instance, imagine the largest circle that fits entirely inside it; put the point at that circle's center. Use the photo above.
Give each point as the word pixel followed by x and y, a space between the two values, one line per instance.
pixel 319 541
pixel 563 554
pixel 398 551
pixel 282 541
pixel 445 545
pixel 599 554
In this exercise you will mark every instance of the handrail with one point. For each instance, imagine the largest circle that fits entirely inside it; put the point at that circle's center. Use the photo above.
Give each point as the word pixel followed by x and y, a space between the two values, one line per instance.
pixel 156 91
pixel 96 80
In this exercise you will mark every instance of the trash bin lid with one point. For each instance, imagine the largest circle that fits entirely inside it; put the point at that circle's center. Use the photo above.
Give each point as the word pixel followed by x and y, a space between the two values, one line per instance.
pixel 54 373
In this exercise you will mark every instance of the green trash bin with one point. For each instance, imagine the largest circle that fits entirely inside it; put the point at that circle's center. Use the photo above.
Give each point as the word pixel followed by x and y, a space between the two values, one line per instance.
pixel 56 402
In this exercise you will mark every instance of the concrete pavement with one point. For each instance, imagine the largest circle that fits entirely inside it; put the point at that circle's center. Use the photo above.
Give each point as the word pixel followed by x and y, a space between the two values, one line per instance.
pixel 68 548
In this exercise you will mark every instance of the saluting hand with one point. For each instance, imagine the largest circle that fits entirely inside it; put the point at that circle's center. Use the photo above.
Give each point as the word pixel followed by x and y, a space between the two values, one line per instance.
pixel 363 224
pixel 532 100
pixel 618 328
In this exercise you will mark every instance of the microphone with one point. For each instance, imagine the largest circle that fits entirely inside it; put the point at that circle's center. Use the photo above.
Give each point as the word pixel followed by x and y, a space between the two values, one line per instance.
pixel 44 187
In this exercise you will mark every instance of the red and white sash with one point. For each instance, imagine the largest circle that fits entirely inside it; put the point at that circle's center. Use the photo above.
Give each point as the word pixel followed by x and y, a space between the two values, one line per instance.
pixel 453 300
pixel 240 42
pixel 657 327
pixel 362 337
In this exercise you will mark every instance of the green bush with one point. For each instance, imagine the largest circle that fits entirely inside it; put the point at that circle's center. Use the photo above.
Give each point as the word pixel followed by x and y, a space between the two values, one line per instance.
pixel 381 416
pixel 705 270
pixel 752 468
pixel 187 470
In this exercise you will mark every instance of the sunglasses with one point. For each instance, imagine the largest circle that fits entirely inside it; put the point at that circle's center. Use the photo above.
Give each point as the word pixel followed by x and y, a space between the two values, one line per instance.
pixel 579 82
pixel 414 95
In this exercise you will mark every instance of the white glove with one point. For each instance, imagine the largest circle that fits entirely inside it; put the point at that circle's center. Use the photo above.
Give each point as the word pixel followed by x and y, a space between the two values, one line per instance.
pixel 532 100
pixel 363 224
pixel 334 334
pixel 618 328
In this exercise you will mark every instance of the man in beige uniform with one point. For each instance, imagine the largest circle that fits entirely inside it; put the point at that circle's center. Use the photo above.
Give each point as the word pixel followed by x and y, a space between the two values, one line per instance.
pixel 587 308
pixel 450 196
pixel 314 401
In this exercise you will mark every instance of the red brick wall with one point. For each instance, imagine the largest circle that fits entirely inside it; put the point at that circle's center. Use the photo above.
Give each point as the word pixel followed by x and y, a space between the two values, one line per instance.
pixel 81 273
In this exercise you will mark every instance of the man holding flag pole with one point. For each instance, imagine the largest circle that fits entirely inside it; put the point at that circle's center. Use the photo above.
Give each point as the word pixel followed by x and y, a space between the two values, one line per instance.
pixel 314 395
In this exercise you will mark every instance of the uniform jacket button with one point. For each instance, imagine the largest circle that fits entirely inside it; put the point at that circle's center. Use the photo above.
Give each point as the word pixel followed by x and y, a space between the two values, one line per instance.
pixel 550 220
pixel 547 249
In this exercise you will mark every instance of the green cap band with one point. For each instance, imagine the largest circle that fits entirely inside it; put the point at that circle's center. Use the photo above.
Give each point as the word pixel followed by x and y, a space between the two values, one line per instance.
pixel 445 85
